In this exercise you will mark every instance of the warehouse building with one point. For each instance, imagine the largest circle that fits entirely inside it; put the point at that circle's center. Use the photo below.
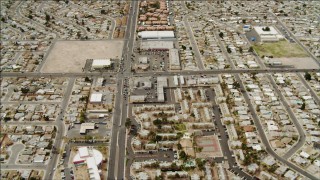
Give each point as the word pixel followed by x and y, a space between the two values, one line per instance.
pixel 92 158
pixel 174 60
pixel 156 45
pixel 156 35
pixel 268 34
pixel 100 63
pixel 96 98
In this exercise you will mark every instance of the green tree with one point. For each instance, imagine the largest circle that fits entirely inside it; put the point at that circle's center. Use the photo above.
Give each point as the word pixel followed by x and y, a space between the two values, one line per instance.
pixel 87 79
pixel 179 146
pixel 236 85
pixel 25 90
pixel 157 122
pixel 228 49
pixel 250 49
pixel 47 18
pixel 128 122
pixel 307 76
pixel 200 163
pixel 303 106
pixel 183 155
pixel 221 34
pixel 158 138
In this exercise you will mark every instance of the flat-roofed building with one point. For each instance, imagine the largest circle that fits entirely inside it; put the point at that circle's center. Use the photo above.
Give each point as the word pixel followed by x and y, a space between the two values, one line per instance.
pixel 162 82
pixel 174 59
pixel 96 98
pixel 156 45
pixel 156 34
pixel 268 34
pixel 100 63
pixel 86 126
pixel 137 98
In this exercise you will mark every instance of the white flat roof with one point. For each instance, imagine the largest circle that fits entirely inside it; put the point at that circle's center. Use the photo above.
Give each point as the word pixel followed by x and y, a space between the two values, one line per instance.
pixel 83 151
pixel 156 34
pixel 272 31
pixel 174 57
pixel 156 45
pixel 101 62
pixel 96 97
pixel 93 169
pixel 86 126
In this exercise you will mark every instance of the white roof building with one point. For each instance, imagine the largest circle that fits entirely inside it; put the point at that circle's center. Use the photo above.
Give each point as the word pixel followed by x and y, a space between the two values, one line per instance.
pixel 157 45
pixel 156 34
pixel 162 82
pixel 137 98
pixel 92 158
pixel 86 126
pixel 100 63
pixel 271 35
pixel 174 59
pixel 96 98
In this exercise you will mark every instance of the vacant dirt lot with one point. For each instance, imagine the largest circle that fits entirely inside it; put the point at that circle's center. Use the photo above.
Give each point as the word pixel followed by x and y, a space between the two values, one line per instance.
pixel 71 56
pixel 300 63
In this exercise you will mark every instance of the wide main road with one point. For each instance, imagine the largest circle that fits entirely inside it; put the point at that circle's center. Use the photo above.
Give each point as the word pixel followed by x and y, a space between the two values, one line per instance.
pixel 117 155
pixel 172 73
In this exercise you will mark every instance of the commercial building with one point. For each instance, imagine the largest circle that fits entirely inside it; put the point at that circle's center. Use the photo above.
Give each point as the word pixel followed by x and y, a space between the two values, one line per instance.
pixel 100 63
pixel 156 34
pixel 137 98
pixel 86 126
pixel 143 60
pixel 96 98
pixel 92 158
pixel 174 59
pixel 156 45
pixel 162 82
pixel 268 34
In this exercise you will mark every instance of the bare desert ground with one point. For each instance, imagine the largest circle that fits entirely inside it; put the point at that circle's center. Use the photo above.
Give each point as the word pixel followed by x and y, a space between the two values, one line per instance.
pixel 71 56
pixel 299 63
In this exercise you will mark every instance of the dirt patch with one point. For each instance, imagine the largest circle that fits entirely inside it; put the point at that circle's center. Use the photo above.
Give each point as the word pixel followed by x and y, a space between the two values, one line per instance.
pixel 71 56
pixel 300 63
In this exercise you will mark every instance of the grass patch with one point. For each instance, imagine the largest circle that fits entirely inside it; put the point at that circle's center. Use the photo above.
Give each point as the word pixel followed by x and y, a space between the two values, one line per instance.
pixel 180 127
pixel 280 49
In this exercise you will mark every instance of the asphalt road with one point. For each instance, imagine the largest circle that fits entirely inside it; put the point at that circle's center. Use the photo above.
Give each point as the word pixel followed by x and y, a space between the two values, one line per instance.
pixel 302 136
pixel 60 131
pixel 107 74
pixel 193 43
pixel 223 139
pixel 116 168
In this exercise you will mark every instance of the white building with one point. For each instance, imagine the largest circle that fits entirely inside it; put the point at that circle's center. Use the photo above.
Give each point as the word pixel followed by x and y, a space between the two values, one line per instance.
pixel 100 63
pixel 86 126
pixel 96 98
pixel 162 82
pixel 92 158
pixel 137 98
pixel 174 59
pixel 156 45
pixel 156 34
pixel 268 36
